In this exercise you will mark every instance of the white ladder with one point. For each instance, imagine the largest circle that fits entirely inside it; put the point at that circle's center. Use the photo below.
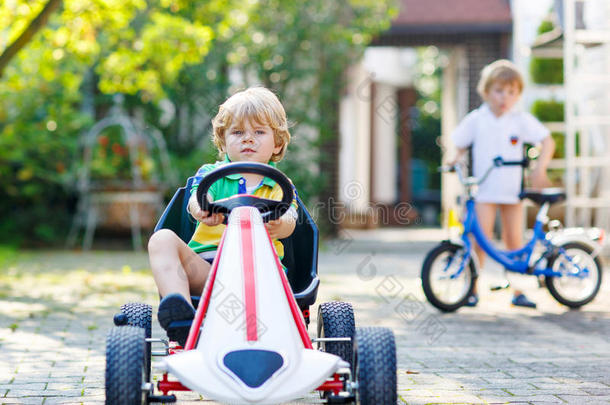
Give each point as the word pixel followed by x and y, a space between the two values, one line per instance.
pixel 587 113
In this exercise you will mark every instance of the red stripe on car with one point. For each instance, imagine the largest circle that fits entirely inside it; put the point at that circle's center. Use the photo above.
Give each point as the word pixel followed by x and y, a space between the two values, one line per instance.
pixel 206 294
pixel 247 253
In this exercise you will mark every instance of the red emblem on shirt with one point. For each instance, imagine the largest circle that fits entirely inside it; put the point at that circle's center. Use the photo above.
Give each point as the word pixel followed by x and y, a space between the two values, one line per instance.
pixel 514 139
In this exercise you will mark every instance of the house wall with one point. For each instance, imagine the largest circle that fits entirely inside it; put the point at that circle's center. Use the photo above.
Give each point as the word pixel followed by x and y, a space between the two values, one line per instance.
pixel 354 135
pixel 385 150
pixel 468 54
pixel 369 113
pixel 453 103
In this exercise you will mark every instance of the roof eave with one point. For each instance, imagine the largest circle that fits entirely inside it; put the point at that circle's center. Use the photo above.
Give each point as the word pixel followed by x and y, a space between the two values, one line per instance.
pixel 439 28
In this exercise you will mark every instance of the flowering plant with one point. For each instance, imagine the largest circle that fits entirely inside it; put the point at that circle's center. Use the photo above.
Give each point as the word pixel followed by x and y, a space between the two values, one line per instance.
pixel 114 160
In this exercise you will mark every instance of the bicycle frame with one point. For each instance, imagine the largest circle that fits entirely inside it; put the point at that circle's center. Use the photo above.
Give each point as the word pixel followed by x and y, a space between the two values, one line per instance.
pixel 517 261
pixel 513 260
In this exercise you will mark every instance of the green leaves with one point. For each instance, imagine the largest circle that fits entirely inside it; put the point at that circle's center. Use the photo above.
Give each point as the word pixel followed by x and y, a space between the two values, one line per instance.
pixel 172 60
pixel 165 45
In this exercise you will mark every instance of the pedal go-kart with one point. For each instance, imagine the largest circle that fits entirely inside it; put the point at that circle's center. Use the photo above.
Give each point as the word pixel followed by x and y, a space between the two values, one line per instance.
pixel 248 342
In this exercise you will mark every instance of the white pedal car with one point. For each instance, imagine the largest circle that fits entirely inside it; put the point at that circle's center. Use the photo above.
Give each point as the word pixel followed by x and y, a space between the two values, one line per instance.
pixel 248 343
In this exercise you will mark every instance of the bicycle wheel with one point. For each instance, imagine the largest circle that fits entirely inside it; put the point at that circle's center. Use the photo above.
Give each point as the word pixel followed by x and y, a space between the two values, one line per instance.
pixel 575 289
pixel 444 286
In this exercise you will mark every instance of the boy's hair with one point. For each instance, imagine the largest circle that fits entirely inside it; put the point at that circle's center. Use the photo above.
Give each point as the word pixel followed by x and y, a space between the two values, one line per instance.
pixel 502 71
pixel 258 104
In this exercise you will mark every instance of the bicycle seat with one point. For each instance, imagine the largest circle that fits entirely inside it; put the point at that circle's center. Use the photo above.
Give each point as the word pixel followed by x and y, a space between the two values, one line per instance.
pixel 550 195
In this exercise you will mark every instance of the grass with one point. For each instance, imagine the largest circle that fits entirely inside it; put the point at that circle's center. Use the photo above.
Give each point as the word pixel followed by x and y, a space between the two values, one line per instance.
pixel 35 284
pixel 8 255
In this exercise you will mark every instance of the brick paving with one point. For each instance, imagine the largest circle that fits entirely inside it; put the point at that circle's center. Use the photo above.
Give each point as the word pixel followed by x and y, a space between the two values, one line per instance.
pixel 56 308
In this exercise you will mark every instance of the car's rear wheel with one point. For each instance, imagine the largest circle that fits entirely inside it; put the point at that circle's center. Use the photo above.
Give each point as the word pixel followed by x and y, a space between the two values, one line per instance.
pixel 140 315
pixel 336 320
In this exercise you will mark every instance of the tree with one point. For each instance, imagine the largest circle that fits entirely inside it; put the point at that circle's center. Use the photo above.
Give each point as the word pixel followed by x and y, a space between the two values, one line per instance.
pixel 25 37
pixel 87 47
pixel 171 58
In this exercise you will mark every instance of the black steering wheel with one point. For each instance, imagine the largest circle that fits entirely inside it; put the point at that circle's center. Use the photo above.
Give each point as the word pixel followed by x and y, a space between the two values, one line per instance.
pixel 270 209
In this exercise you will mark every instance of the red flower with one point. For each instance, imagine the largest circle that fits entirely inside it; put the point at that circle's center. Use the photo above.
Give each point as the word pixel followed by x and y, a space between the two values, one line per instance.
pixel 118 149
pixel 103 140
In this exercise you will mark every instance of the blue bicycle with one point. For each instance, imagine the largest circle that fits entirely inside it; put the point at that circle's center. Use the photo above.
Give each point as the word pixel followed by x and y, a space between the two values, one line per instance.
pixel 570 265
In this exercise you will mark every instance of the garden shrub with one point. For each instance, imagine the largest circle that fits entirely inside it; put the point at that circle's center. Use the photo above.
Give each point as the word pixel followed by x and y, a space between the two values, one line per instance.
pixel 548 110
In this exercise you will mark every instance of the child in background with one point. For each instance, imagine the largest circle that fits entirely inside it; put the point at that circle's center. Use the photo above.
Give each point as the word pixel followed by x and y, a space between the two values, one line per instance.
pixel 250 126
pixel 497 128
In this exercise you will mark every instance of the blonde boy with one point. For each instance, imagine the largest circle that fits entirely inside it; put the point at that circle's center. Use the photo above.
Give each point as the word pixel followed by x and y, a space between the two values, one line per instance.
pixel 250 126
pixel 497 128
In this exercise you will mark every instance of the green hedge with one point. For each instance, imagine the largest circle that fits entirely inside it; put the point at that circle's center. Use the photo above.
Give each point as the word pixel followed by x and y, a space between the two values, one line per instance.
pixel 545 26
pixel 546 71
pixel 548 110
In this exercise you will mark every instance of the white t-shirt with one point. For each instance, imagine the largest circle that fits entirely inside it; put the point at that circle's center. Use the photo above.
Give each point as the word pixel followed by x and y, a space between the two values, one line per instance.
pixel 492 136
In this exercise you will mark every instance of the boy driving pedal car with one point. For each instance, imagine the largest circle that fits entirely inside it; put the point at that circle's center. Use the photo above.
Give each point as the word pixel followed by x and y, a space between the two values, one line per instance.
pixel 251 126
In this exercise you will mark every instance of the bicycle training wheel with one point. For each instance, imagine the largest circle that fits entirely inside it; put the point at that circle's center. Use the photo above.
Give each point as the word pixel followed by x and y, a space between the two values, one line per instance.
pixel 445 286
pixel 581 275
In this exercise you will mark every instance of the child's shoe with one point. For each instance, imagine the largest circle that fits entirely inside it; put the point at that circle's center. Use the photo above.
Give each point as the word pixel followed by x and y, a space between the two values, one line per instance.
pixel 522 301
pixel 503 285
pixel 174 310
pixel 472 301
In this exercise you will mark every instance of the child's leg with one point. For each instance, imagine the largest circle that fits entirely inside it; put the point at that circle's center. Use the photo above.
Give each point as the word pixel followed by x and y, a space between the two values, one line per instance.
pixel 486 215
pixel 512 227
pixel 175 266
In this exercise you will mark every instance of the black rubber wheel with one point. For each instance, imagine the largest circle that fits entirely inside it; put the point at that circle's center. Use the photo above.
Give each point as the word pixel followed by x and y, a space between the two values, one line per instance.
pixel 375 366
pixel 440 263
pixel 125 366
pixel 570 290
pixel 336 319
pixel 140 315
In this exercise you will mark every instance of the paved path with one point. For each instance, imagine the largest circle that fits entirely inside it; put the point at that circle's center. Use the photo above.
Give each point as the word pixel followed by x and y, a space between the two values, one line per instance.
pixel 53 324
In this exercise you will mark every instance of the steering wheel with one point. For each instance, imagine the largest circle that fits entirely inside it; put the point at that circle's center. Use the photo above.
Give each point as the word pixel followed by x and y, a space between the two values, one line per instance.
pixel 270 209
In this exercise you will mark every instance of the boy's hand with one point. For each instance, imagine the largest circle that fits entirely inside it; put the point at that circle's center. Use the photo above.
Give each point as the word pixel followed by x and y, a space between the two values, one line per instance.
pixel 538 176
pixel 459 157
pixel 202 216
pixel 281 227
pixel 212 220
pixel 273 227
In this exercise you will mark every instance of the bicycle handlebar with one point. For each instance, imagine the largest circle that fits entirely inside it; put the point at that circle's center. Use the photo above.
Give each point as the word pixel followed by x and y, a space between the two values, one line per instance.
pixel 446 169
pixel 497 162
